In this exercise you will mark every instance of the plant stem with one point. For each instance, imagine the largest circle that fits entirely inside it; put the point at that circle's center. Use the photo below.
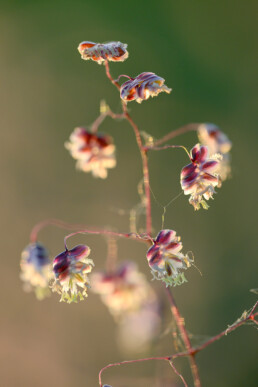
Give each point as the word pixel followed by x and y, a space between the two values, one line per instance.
pixel 181 326
pixel 166 358
pixel 177 132
pixel 141 238
pixel 145 168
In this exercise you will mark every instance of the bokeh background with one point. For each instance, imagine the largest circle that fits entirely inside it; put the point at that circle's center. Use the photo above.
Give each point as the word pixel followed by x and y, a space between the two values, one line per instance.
pixel 206 53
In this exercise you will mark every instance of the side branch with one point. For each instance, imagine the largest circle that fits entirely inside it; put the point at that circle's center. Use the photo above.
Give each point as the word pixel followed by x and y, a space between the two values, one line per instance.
pixel 139 237
pixel 248 317
pixel 177 132
pixel 166 358
pixel 181 326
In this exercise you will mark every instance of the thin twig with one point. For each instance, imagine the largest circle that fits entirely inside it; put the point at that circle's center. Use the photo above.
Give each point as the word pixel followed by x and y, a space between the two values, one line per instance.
pixel 177 132
pixel 166 358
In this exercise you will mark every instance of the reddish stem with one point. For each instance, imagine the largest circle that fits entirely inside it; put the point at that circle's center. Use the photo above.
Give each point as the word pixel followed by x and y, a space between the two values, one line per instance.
pixel 53 222
pixel 110 77
pixel 166 358
pixel 141 238
pixel 177 132
pixel 144 156
pixel 181 326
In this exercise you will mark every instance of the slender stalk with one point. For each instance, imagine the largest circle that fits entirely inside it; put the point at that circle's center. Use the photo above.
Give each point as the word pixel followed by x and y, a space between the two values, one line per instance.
pixel 141 238
pixel 110 77
pixel 145 168
pixel 158 148
pixel 53 222
pixel 166 358
pixel 177 132
pixel 181 326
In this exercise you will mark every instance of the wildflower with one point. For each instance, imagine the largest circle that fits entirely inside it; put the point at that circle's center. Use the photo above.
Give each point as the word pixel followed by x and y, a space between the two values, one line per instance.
pixel 218 143
pixel 165 259
pixel 123 290
pixel 142 87
pixel 94 152
pixel 71 268
pixel 36 269
pixel 101 52
pixel 196 178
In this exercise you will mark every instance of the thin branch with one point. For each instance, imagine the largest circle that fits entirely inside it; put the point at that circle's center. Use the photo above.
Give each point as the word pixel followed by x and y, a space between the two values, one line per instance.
pixel 141 238
pixel 177 132
pixel 181 326
pixel 249 317
pixel 166 358
pixel 158 148
pixel 110 77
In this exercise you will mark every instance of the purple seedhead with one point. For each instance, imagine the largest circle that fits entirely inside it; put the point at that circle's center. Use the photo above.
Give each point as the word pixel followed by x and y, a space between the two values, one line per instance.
pixel 166 260
pixel 142 87
pixel 198 178
pixel 94 152
pixel 70 269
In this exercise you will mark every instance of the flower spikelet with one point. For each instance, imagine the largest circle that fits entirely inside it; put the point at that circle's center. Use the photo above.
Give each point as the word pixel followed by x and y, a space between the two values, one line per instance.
pixel 198 178
pixel 218 143
pixel 101 52
pixel 166 260
pixel 71 268
pixel 94 152
pixel 36 269
pixel 142 87
pixel 123 290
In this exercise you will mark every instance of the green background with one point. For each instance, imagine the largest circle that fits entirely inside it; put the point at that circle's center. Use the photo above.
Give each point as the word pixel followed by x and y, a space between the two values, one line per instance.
pixel 206 52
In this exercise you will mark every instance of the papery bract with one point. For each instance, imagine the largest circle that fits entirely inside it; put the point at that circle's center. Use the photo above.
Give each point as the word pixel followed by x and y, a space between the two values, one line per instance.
pixel 94 152
pixel 198 178
pixel 36 269
pixel 142 87
pixel 71 268
pixel 166 260
pixel 101 52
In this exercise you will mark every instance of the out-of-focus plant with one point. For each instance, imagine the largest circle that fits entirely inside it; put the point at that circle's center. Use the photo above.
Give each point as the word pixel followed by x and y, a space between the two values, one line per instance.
pixel 125 291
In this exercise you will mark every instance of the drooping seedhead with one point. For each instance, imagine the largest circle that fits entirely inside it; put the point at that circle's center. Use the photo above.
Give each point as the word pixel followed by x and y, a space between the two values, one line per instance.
pixel 142 87
pixel 94 152
pixel 166 260
pixel 71 268
pixel 198 178
pixel 218 143
pixel 102 52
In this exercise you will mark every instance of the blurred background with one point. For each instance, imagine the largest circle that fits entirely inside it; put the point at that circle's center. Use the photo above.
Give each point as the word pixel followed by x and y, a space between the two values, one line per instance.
pixel 206 53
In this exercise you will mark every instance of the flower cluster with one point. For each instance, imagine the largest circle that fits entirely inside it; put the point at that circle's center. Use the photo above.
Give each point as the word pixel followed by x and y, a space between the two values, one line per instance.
pixel 101 52
pixel 198 178
pixel 36 269
pixel 142 87
pixel 94 152
pixel 71 268
pixel 166 260
pixel 218 143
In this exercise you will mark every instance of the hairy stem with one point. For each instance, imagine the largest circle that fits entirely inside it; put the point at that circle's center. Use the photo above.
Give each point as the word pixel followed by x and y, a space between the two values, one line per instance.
pixel 181 326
